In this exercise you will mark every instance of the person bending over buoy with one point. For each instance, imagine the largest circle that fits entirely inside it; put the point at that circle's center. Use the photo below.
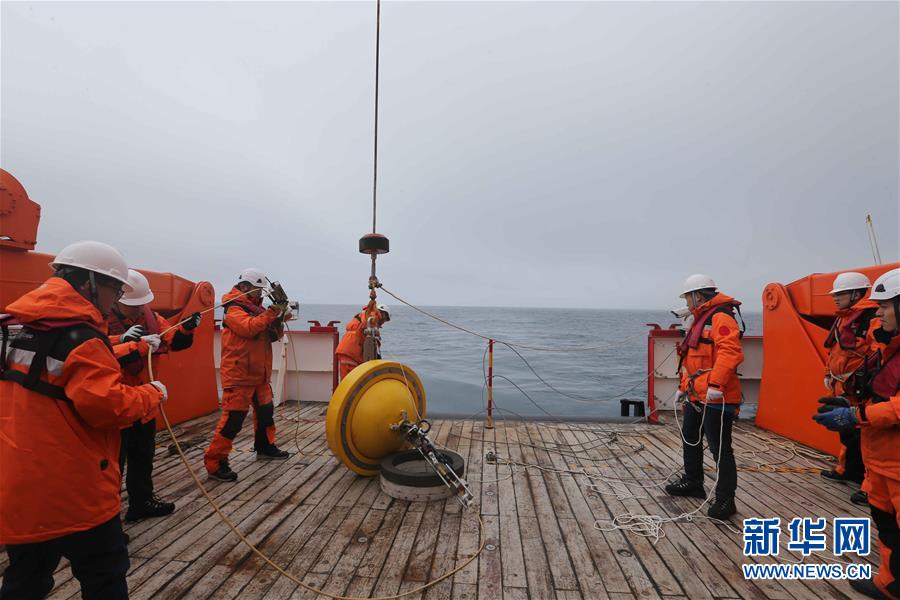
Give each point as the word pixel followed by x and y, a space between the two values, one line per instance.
pixel 350 350
pixel 62 404
pixel 248 331
pixel 709 392
pixel 848 344
pixel 134 330
pixel 878 420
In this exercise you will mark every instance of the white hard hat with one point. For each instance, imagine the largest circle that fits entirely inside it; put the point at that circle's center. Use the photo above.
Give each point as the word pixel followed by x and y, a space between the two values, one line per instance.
pixel 886 287
pixel 697 282
pixel 851 280
pixel 254 277
pixel 384 308
pixel 94 256
pixel 140 293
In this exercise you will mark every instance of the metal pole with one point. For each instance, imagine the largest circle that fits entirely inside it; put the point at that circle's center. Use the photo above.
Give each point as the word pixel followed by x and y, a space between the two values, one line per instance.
pixel 873 240
pixel 490 386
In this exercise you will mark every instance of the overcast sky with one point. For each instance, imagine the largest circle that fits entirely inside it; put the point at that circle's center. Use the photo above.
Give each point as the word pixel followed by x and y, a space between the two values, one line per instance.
pixel 531 154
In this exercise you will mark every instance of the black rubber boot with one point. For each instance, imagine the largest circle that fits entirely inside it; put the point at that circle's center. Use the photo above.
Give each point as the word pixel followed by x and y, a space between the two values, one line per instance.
pixel 272 452
pixel 686 487
pixel 859 497
pixel 224 473
pixel 833 476
pixel 722 508
pixel 153 507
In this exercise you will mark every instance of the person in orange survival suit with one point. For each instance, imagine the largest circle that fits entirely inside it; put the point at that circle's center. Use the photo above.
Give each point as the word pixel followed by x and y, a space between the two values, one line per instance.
pixel 878 419
pixel 710 392
pixel 248 331
pixel 134 330
pixel 62 404
pixel 349 351
pixel 848 345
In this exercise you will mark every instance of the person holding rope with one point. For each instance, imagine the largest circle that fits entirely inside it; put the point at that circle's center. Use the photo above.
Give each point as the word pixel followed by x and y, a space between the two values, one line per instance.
pixel 135 330
pixel 709 392
pixel 63 405
pixel 350 350
pixel 248 331
pixel 848 344
pixel 878 421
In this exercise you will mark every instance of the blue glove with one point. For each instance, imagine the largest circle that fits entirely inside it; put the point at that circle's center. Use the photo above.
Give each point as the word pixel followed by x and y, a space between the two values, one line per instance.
pixel 838 419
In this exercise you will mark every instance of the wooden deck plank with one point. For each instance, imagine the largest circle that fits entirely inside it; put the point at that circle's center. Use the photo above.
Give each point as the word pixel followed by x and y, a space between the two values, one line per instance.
pixel 684 553
pixel 640 565
pixel 490 578
pixel 444 559
pixel 547 510
pixel 599 553
pixel 309 513
pixel 511 552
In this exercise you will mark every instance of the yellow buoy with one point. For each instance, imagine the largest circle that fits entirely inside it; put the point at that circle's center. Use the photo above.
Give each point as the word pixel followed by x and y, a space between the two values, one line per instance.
pixel 373 397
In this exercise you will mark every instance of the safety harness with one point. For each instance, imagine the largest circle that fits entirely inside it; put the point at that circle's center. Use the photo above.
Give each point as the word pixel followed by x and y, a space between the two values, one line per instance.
pixel 846 331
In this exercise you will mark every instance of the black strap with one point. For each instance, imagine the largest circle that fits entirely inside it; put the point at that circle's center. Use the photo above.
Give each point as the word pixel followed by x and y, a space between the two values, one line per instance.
pixel 41 387
pixel 5 329
pixel 46 341
pixel 60 341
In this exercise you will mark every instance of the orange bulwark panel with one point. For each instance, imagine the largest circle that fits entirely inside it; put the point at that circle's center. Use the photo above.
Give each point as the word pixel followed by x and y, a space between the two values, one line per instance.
pixel 796 319
pixel 189 375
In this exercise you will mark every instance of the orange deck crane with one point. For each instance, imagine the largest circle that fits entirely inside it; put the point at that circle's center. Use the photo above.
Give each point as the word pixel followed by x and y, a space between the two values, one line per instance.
pixel 796 320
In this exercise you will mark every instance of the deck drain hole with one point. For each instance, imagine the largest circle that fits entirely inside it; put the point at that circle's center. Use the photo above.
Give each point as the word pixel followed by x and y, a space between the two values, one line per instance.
pixel 362 539
pixel 624 553
pixel 489 493
pixel 490 547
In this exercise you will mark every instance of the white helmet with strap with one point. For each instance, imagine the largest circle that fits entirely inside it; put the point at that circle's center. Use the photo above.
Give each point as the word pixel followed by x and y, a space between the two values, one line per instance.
pixel 96 257
pixel 697 282
pixel 140 292
pixel 254 277
pixel 849 281
pixel 384 308
pixel 886 287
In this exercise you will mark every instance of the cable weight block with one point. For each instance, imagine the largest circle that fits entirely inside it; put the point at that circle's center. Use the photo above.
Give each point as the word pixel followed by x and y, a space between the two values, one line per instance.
pixel 374 243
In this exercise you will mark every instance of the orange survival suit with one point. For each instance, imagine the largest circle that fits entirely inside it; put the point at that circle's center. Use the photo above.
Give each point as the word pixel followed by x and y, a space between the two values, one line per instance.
pixel 248 331
pixel 350 349
pixel 139 440
pixel 711 351
pixel 848 343
pixel 880 440
pixel 62 403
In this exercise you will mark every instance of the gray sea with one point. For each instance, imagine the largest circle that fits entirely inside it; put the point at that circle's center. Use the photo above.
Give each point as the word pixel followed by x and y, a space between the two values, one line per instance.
pixel 576 385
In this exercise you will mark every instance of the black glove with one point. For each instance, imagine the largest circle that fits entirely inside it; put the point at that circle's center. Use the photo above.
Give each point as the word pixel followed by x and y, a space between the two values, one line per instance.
pixel 134 333
pixel 192 322
pixel 829 403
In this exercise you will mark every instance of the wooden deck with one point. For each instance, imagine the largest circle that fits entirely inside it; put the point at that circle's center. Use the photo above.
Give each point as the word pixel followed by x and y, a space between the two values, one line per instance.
pixel 340 533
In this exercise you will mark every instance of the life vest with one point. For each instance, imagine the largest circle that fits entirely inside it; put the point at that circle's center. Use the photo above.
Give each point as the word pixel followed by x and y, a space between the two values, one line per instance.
pixel 42 346
pixel 694 335
pixel 886 382
pixel 848 330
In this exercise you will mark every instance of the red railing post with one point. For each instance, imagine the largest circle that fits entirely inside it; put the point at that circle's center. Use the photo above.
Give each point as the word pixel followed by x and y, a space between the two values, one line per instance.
pixel 490 386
